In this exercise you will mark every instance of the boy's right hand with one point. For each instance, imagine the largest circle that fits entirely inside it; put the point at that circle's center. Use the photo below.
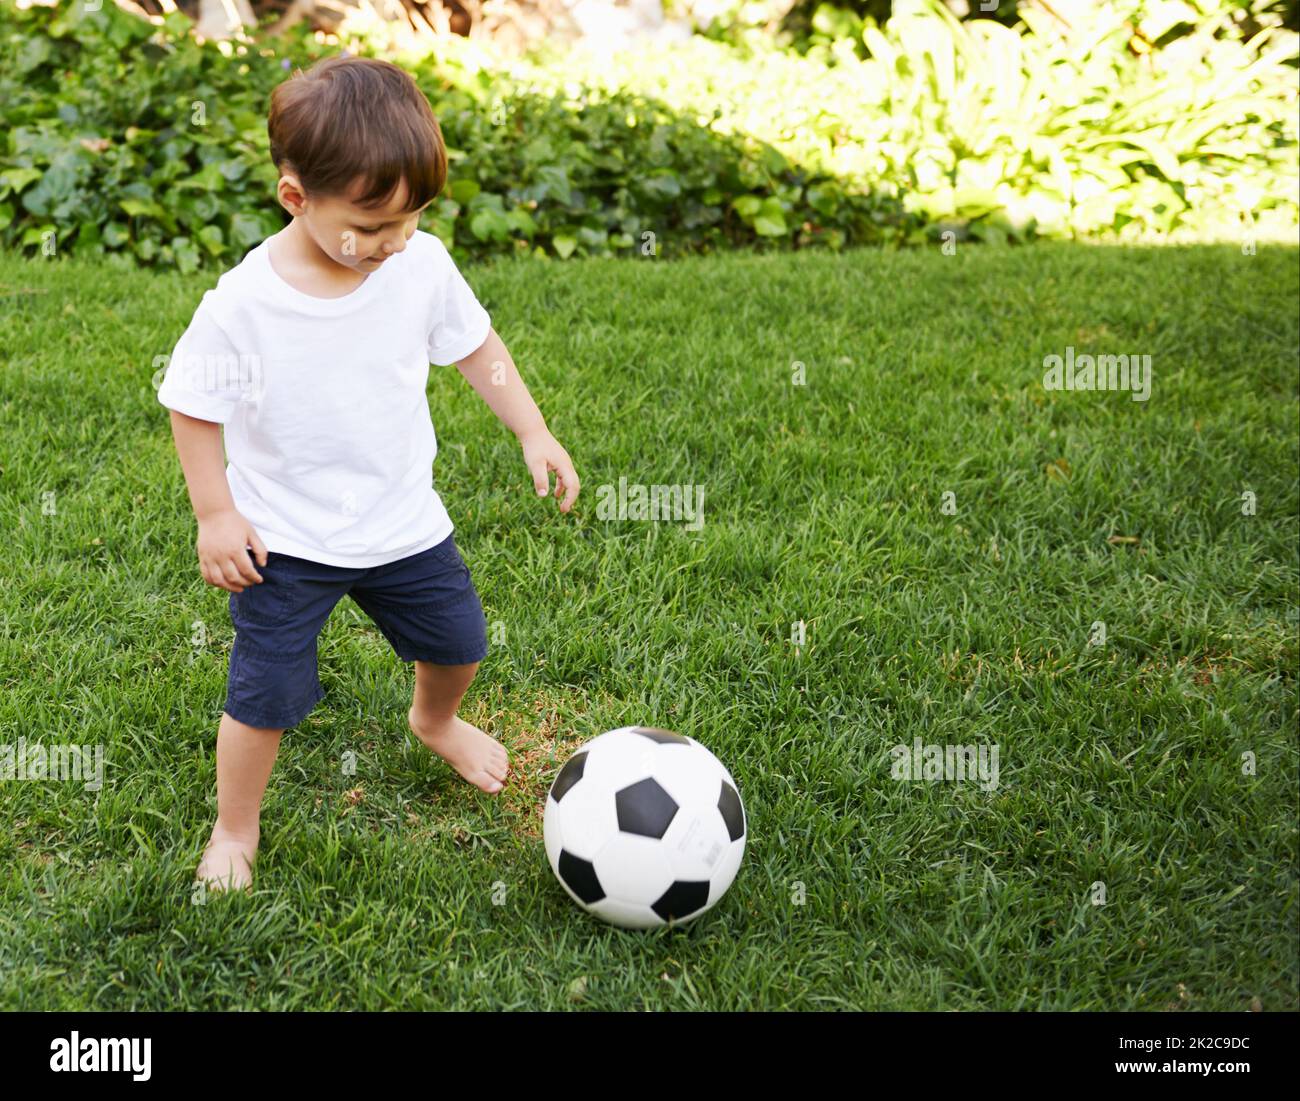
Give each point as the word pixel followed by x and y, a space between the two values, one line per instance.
pixel 224 539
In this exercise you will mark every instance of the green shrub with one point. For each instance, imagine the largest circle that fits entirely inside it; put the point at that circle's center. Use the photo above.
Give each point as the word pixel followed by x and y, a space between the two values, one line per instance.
pixel 134 141
pixel 130 139
pixel 979 127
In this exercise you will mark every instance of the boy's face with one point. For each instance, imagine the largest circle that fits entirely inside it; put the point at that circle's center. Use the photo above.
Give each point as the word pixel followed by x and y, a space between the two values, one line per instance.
pixel 357 237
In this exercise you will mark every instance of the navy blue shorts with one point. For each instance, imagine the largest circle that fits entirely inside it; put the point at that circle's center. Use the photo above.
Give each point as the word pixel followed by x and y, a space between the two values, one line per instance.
pixel 425 605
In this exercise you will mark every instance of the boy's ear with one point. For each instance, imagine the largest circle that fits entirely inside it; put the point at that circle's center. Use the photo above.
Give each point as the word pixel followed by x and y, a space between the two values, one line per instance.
pixel 290 194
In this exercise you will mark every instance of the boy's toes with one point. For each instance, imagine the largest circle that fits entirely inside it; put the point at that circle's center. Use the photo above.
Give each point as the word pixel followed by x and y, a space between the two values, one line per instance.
pixel 225 867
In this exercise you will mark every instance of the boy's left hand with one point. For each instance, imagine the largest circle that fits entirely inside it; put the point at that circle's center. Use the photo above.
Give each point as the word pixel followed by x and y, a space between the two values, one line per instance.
pixel 542 454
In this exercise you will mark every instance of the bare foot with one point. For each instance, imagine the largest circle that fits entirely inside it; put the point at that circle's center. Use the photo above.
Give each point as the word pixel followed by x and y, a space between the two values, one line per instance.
pixel 227 863
pixel 478 757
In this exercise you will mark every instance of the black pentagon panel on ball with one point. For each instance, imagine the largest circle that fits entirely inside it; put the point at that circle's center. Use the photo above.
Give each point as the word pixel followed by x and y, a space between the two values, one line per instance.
pixel 732 812
pixel 569 775
pixel 644 808
pixel 580 877
pixel 682 899
pixel 663 737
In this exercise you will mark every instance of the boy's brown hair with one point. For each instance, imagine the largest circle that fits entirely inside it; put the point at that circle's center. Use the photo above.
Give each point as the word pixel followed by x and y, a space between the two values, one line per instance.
pixel 357 117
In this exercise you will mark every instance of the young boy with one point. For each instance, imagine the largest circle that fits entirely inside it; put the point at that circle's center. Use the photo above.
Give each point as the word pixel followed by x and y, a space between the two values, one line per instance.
pixel 313 354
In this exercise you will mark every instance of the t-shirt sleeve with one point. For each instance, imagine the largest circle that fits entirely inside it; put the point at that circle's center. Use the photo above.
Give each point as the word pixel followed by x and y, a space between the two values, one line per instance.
pixel 460 323
pixel 205 378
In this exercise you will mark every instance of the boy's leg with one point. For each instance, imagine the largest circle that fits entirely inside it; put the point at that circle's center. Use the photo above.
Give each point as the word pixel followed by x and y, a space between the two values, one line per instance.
pixel 477 756
pixel 274 683
pixel 245 755
pixel 428 609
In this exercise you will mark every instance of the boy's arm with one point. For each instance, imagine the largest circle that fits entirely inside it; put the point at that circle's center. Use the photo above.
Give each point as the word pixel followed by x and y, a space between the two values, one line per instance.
pixel 494 376
pixel 224 534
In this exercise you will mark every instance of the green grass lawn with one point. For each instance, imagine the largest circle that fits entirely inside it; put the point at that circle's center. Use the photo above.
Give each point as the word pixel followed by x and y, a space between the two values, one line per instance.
pixel 403 887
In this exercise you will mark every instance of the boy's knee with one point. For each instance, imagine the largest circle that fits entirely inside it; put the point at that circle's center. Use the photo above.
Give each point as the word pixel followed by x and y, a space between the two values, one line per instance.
pixel 446 674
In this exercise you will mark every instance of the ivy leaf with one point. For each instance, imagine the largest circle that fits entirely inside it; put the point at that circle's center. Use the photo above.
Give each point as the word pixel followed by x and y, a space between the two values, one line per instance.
pixel 116 235
pixel 245 230
pixel 141 208
pixel 35 52
pixel 663 188
pixel 490 223
pixel 187 255
pixel 17 178
pixel 210 238
pixel 553 181
pixel 464 190
pixel 209 178
pixel 770 221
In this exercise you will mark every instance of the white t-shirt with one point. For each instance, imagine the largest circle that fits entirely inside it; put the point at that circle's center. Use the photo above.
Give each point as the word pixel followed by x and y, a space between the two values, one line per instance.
pixel 328 437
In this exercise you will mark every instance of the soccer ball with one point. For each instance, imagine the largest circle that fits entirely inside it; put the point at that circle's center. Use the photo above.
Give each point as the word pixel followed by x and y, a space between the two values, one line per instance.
pixel 644 827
